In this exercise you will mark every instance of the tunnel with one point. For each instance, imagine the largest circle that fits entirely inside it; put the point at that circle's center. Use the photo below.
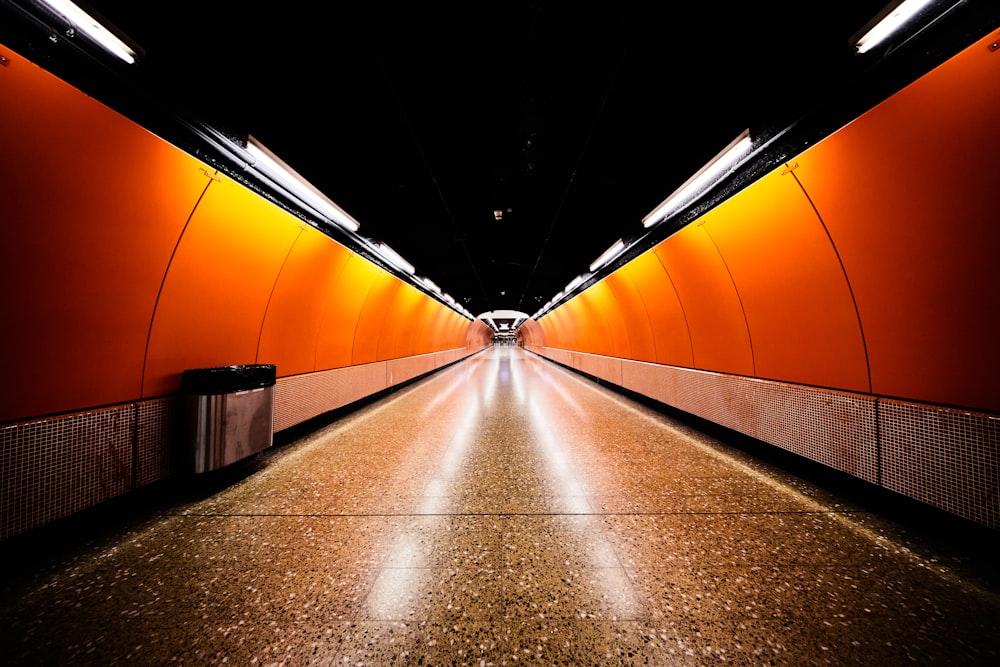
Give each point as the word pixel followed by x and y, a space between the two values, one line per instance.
pixel 840 310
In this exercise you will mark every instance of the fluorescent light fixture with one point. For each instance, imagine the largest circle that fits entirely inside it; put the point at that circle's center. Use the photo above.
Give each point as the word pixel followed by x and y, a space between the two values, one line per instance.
pixel 395 258
pixel 430 285
pixel 302 189
pixel 573 283
pixel 608 255
pixel 890 23
pixel 91 27
pixel 713 172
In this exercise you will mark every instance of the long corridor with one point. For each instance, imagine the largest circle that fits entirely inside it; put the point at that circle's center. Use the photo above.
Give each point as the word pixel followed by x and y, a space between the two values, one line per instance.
pixel 503 511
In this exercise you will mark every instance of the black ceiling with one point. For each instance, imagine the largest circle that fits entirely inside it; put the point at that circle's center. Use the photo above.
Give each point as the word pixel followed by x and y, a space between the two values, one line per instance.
pixel 421 119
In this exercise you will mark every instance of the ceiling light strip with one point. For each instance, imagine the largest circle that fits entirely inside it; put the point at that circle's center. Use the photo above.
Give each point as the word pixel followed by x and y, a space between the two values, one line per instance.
pixel 891 24
pixel 714 171
pixel 299 187
pixel 93 28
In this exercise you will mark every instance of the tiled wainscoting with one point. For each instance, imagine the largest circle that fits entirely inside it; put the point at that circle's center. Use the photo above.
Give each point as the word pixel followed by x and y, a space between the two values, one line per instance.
pixel 51 467
pixel 947 458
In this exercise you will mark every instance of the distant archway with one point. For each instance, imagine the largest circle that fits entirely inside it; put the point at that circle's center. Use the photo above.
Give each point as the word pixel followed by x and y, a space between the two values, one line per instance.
pixel 504 324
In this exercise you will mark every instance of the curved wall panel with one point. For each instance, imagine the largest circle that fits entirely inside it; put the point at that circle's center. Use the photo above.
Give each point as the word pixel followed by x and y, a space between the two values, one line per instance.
pixel 415 310
pixel 799 308
pixel 909 194
pixel 720 339
pixel 866 264
pixel 300 302
pixel 84 242
pixel 589 310
pixel 477 335
pixel 125 261
pixel 662 310
pixel 138 262
pixel 438 329
pixel 531 334
pixel 569 329
pixel 605 301
pixel 848 301
pixel 342 310
pixel 396 336
pixel 372 319
pixel 631 321
pixel 211 308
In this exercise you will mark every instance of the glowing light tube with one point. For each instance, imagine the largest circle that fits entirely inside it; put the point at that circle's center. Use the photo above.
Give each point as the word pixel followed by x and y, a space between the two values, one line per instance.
pixel 707 176
pixel 299 187
pixel 91 27
pixel 892 22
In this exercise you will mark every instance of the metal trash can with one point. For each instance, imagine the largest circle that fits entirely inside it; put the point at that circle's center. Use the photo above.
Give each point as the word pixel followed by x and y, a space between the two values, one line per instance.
pixel 228 413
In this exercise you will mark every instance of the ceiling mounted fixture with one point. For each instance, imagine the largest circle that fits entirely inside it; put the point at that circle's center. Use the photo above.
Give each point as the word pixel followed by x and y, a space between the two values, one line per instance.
pixel 297 186
pixel 431 285
pixel 714 171
pixel 608 255
pixel 890 21
pixel 92 28
pixel 395 258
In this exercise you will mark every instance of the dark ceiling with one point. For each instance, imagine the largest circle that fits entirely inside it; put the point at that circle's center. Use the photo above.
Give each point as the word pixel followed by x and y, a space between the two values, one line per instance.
pixel 422 119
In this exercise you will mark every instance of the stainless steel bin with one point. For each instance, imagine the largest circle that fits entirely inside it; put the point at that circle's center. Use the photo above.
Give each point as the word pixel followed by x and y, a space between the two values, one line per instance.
pixel 228 413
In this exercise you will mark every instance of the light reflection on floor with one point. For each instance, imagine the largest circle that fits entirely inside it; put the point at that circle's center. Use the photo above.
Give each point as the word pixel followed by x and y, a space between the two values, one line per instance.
pixel 504 511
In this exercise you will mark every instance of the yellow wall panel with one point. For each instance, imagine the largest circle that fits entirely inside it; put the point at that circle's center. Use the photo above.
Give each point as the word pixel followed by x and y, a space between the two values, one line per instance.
pixel 211 308
pixel 341 313
pixel 444 329
pixel 373 318
pixel 401 322
pixel 605 301
pixel 719 336
pixel 306 287
pixel 663 311
pixel 560 328
pixel 803 323
pixel 632 320
pixel 580 336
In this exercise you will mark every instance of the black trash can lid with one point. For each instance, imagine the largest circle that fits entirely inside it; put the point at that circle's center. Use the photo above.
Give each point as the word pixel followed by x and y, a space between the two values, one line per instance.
pixel 226 379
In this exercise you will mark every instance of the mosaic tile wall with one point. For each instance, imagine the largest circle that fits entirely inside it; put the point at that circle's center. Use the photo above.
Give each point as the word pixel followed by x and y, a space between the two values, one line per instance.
pixel 155 455
pixel 407 368
pixel 51 468
pixel 301 397
pixel 949 459
pixel 945 457
pixel 606 368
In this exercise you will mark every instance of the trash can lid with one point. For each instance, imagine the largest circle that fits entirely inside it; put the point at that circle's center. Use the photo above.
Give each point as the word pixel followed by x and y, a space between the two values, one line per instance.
pixel 226 379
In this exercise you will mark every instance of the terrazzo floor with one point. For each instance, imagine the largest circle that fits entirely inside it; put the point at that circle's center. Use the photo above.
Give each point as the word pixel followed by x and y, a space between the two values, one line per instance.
pixel 503 511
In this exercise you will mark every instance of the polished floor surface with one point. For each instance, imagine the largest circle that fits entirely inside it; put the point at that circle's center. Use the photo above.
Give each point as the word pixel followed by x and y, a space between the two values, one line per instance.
pixel 503 511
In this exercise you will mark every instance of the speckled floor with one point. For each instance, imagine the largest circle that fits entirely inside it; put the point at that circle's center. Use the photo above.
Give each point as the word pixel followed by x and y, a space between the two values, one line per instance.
pixel 501 512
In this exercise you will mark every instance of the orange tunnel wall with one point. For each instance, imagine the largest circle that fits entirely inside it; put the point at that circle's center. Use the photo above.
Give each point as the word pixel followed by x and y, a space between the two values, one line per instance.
pixel 844 307
pixel 126 261
pixel 868 263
